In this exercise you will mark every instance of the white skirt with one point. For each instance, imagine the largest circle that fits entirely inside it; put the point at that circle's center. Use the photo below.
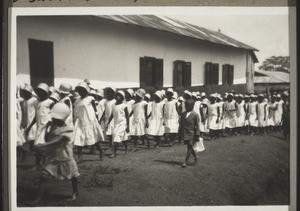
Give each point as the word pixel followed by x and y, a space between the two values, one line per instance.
pixel 32 133
pixel 138 128
pixel 253 121
pixel 171 125
pixel 240 121
pixel 156 127
pixel 213 125
pixel 119 133
pixel 261 122
pixel 85 135
pixel 40 136
pixel 270 121
pixel 20 137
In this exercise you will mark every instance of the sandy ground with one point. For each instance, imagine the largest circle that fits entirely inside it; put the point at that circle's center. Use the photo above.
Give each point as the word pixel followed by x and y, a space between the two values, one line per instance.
pixel 239 170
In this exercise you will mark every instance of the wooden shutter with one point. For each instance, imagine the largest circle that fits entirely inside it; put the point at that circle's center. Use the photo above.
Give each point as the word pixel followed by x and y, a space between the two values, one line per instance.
pixel 225 74
pixel 142 72
pixel 187 74
pixel 230 74
pixel 177 74
pixel 208 73
pixel 215 74
pixel 149 72
pixel 158 73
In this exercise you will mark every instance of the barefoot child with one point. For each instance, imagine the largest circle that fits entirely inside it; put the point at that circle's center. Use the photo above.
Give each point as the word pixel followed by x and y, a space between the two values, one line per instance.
pixel 42 117
pixel 171 116
pixel 87 130
pixel 110 101
pixel 156 127
pixel 59 152
pixel 139 113
pixel 121 122
pixel 189 130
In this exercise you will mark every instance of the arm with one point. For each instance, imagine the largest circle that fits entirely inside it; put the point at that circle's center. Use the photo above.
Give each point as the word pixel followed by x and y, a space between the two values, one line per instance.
pixel 68 103
pixel 197 129
pixel 127 120
pixel 109 120
pixel 146 116
pixel 30 126
pixel 177 109
pixel 256 111
pixel 235 107
pixel 54 141
pixel 163 110
pixel 202 114
pixel 95 108
pixel 218 110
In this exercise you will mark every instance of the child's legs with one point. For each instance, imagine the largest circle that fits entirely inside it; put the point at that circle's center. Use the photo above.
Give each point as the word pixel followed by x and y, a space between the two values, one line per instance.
pixel 98 146
pixel 110 140
pixel 74 184
pixel 189 151
pixel 157 140
pixel 79 151
pixel 145 137
pixel 135 139
pixel 172 137
pixel 125 145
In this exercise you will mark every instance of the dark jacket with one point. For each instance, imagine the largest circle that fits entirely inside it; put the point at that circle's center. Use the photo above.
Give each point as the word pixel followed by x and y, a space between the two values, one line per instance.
pixel 189 127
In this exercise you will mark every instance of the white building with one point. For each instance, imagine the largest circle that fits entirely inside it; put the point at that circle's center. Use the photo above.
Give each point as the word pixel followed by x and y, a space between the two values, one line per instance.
pixel 131 51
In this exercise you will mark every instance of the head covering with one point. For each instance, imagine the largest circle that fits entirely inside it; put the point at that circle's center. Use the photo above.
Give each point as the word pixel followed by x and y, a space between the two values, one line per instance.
pixel 260 95
pixel 198 93
pixel 188 93
pixel 158 94
pixel 175 95
pixel 163 92
pixel 194 94
pixel 212 95
pixel 84 86
pixel 205 101
pixel 60 111
pixel 246 96
pixel 219 96
pixel 141 92
pixel 180 98
pixel 241 96
pixel 130 91
pixel 278 95
pixel 76 95
pixel 44 87
pixel 170 90
pixel 28 88
pixel 236 95
pixel 121 93
pixel 55 96
pixel 252 95
pixel 230 94
pixel 147 95
pixel 65 88
pixel 111 88
pixel 202 94
pixel 52 89
pixel 99 92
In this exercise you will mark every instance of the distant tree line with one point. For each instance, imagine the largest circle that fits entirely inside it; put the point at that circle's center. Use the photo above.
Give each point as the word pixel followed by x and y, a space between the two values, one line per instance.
pixel 276 63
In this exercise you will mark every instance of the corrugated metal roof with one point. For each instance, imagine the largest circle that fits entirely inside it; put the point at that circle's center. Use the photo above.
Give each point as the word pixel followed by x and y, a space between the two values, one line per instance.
pixel 271 77
pixel 179 27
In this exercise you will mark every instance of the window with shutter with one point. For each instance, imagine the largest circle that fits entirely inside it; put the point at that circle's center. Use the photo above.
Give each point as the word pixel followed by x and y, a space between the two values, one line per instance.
pixel 158 73
pixel 225 74
pixel 215 74
pixel 187 73
pixel 207 74
pixel 228 74
pixel 151 72
pixel 231 74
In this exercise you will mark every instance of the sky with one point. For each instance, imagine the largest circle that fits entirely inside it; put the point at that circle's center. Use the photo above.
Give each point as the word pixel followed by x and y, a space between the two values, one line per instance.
pixel 266 29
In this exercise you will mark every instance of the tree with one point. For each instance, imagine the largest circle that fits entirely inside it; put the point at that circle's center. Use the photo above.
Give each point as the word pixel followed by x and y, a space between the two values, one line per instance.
pixel 276 63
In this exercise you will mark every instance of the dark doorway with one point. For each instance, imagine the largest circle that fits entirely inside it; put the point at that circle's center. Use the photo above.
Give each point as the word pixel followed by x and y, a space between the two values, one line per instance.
pixel 41 62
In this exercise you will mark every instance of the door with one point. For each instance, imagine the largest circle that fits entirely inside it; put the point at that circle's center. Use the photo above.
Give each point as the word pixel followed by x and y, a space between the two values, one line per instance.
pixel 41 62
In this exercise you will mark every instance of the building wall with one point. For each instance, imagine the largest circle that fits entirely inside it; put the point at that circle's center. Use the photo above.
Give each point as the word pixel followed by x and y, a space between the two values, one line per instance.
pixel 105 51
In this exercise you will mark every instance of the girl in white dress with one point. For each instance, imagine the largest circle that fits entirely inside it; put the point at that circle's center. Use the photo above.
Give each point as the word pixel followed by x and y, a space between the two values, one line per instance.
pixel 87 130
pixel 246 108
pixel 139 114
pixel 272 113
pixel 230 110
pixel 197 108
pixel 278 114
pixel 221 126
pixel 261 114
pixel 129 101
pixel 266 101
pixel 214 117
pixel 171 117
pixel 110 101
pixel 121 122
pixel 204 128
pixel 253 123
pixel 156 127
pixel 240 114
pixel 20 135
pixel 65 90
pixel 42 118
pixel 147 99
pixel 28 108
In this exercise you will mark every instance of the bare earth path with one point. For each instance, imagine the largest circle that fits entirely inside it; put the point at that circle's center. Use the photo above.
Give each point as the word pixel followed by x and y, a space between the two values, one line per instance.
pixel 239 170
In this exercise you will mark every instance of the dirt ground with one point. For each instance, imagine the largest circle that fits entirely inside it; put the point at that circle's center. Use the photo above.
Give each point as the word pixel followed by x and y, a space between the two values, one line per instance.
pixel 239 170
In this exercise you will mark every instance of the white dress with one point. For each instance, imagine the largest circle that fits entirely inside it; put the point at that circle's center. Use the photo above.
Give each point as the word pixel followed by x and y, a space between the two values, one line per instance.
pixel 43 116
pixel 213 116
pixel 171 118
pixel 87 129
pixel 28 116
pixel 278 114
pixel 221 121
pixel 120 124
pixel 69 120
pixel 204 126
pixel 261 114
pixel 196 108
pixel 252 114
pixel 138 121
pixel 271 117
pixel 100 110
pixel 156 127
pixel 129 105
pixel 108 111
pixel 240 114
pixel 20 133
pixel 230 115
